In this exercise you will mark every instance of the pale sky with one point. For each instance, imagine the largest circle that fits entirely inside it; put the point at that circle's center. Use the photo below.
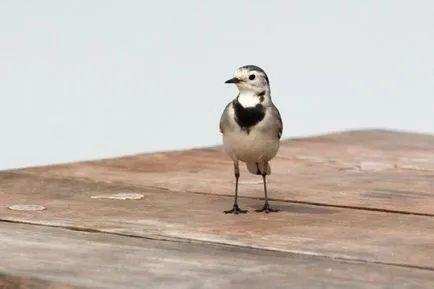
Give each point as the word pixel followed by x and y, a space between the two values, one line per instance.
pixel 96 78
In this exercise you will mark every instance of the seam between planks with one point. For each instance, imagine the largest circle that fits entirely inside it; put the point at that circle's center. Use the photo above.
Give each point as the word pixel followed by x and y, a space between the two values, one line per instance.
pixel 317 204
pixel 165 238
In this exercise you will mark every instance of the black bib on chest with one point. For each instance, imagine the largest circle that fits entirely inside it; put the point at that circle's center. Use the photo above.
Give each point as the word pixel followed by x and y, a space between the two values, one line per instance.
pixel 247 117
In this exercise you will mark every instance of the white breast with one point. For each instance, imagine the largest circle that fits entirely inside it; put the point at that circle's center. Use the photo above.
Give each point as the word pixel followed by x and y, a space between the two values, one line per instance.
pixel 248 99
pixel 252 147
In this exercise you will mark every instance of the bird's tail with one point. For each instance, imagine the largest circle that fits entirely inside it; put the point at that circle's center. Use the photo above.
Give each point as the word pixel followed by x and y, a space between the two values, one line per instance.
pixel 259 168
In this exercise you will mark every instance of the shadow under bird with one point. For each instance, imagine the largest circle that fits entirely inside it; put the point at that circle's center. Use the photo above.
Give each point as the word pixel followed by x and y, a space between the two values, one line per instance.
pixel 251 127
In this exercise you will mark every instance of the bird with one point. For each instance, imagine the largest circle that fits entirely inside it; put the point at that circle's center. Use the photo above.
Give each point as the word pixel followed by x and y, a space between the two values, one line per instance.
pixel 251 128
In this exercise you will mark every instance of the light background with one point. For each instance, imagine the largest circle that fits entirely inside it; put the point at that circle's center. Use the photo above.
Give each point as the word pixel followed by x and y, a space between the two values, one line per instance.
pixel 96 78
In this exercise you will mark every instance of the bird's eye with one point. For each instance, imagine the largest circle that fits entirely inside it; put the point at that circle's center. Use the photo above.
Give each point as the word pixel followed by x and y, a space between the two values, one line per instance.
pixel 251 76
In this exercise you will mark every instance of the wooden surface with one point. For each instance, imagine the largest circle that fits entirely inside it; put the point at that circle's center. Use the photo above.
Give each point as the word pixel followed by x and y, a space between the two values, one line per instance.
pixel 357 211
pixel 13 282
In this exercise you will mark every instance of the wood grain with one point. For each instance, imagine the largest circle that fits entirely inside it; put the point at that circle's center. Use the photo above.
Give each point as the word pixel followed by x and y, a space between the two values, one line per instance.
pixel 373 170
pixel 404 240
pixel 15 282
pixel 357 211
pixel 95 260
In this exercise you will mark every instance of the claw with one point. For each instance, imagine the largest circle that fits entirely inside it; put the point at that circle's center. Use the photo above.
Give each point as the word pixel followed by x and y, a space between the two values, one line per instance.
pixel 235 210
pixel 267 209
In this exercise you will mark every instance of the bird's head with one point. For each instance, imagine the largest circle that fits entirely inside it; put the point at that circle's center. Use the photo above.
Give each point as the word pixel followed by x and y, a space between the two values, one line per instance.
pixel 251 78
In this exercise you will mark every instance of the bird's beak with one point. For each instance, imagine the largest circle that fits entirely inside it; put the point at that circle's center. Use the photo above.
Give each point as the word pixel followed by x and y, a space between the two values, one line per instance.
pixel 233 80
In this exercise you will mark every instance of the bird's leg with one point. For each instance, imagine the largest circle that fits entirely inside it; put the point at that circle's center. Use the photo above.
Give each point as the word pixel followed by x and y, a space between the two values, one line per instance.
pixel 266 208
pixel 236 209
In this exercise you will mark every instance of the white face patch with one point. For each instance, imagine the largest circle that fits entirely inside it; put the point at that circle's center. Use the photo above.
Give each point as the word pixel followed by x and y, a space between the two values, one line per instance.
pixel 248 99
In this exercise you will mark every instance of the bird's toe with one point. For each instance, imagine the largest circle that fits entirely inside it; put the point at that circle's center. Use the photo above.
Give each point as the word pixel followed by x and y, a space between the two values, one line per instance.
pixel 235 210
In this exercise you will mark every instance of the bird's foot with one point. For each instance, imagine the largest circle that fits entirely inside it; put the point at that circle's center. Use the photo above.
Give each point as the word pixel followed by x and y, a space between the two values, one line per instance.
pixel 235 210
pixel 267 209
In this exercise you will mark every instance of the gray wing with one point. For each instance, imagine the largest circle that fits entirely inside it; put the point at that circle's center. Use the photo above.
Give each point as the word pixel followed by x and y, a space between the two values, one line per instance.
pixel 224 119
pixel 279 122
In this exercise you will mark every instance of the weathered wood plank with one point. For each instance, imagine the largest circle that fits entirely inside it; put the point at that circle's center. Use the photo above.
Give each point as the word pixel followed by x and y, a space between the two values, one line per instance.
pixel 334 232
pixel 14 282
pixel 376 170
pixel 107 261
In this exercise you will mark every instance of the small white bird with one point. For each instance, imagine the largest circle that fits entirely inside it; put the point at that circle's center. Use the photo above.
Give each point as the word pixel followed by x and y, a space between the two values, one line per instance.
pixel 252 127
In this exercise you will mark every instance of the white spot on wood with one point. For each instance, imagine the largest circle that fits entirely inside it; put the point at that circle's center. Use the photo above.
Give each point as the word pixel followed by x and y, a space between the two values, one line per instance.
pixel 27 207
pixel 120 196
